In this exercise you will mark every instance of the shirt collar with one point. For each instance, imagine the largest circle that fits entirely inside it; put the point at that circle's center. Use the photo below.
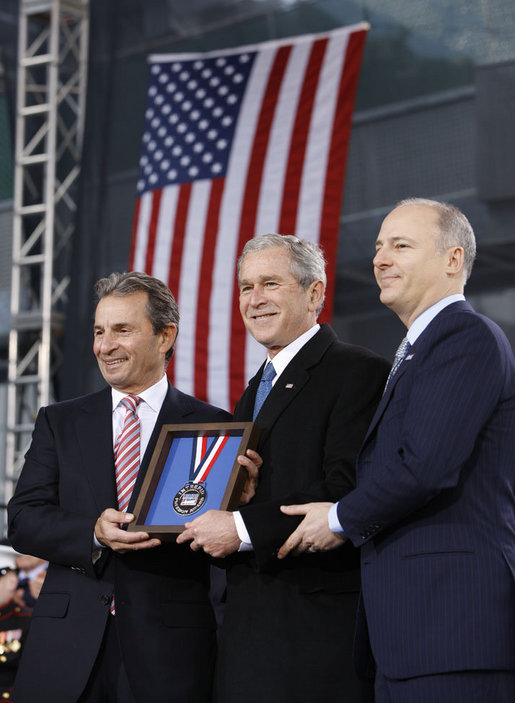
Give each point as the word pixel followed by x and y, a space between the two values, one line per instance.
pixel 153 396
pixel 283 358
pixel 423 320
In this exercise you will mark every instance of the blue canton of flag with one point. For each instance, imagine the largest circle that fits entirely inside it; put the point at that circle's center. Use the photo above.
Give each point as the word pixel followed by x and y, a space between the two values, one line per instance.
pixel 191 116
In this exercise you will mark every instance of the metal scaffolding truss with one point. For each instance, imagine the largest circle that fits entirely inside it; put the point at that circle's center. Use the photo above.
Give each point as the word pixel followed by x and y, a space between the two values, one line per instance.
pixel 51 90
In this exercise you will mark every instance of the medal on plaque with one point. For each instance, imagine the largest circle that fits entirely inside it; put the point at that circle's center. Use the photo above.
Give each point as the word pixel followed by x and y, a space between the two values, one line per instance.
pixel 192 496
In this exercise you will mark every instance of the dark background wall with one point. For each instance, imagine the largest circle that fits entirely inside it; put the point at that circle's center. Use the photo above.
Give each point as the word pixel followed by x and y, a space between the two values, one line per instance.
pixel 434 118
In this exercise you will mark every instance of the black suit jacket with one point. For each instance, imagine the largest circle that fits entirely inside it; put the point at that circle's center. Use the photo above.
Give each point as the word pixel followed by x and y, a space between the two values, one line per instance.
pixel 163 613
pixel 287 617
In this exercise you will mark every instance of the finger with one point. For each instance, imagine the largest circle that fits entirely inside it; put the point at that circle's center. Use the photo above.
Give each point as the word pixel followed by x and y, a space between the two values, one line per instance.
pixel 184 537
pixel 284 550
pixel 254 457
pixel 291 544
pixel 134 537
pixel 148 544
pixel 112 515
pixel 249 465
pixel 144 544
pixel 295 509
pixel 116 535
pixel 123 547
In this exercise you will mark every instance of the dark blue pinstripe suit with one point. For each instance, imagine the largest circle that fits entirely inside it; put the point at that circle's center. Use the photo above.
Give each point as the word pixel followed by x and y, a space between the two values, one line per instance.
pixel 433 511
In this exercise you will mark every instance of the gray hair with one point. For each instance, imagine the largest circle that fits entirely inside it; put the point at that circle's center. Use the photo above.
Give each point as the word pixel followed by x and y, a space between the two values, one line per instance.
pixel 161 306
pixel 454 230
pixel 307 262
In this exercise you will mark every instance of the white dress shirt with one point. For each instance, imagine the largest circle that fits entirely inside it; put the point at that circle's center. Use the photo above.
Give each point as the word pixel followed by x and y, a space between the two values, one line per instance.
pixel 147 411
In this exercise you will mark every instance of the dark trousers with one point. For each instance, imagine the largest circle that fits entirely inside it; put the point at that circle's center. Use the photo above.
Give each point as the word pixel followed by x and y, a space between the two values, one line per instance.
pixel 108 682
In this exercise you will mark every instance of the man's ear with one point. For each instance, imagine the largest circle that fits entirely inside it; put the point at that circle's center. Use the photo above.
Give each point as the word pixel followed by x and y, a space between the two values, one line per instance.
pixel 455 260
pixel 168 336
pixel 316 295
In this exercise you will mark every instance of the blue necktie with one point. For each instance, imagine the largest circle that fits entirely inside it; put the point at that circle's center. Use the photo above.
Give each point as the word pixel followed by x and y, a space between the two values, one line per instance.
pixel 264 388
pixel 400 355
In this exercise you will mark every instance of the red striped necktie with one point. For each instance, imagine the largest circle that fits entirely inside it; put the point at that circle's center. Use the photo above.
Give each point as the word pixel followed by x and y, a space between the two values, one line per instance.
pixel 126 452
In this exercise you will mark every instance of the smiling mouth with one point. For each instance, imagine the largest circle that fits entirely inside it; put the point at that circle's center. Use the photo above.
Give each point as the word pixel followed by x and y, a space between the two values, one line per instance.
pixel 387 279
pixel 263 316
pixel 113 362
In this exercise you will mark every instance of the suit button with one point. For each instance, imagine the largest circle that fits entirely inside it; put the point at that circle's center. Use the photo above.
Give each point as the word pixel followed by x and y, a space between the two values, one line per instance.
pixel 106 600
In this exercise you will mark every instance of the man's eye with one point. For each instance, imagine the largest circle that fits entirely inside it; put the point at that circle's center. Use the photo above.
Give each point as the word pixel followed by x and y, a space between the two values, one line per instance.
pixel 271 285
pixel 245 289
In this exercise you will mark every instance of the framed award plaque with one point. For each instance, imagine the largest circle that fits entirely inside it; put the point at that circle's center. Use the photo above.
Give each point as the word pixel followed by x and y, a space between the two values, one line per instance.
pixel 193 469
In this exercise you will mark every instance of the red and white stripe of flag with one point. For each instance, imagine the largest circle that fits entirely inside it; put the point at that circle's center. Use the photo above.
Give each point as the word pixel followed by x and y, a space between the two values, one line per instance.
pixel 285 174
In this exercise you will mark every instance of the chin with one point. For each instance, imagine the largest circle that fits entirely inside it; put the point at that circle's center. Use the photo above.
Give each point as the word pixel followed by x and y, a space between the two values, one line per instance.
pixel 262 340
pixel 260 334
pixel 386 297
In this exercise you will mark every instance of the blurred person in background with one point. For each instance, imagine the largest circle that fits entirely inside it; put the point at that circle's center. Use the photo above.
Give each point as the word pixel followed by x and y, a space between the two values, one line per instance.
pixel 31 575
pixel 14 621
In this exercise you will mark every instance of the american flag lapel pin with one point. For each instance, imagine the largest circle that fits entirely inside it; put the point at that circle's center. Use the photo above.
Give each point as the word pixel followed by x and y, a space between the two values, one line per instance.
pixel 289 386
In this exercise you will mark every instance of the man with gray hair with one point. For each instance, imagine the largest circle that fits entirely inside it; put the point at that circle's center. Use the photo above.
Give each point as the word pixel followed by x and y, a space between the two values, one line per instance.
pixel 120 616
pixel 286 622
pixel 433 511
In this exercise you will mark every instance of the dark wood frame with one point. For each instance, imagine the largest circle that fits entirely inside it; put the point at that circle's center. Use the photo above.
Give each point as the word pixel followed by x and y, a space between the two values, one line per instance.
pixel 249 438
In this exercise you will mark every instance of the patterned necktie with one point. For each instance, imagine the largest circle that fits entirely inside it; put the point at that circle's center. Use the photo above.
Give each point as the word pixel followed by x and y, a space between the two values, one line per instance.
pixel 400 355
pixel 264 388
pixel 126 452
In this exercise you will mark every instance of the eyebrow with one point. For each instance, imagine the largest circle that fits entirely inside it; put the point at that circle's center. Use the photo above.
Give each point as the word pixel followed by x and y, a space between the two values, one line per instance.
pixel 115 326
pixel 395 238
pixel 260 279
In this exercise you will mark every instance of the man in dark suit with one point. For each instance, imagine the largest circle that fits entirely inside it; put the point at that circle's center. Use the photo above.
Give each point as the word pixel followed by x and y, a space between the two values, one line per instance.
pixel 433 511
pixel 159 644
pixel 286 622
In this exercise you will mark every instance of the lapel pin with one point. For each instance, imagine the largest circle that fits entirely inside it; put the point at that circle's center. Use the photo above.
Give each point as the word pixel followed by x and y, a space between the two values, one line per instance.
pixel 409 357
pixel 289 385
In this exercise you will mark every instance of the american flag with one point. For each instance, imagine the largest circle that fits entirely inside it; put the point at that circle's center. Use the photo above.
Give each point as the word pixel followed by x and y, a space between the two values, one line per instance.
pixel 238 143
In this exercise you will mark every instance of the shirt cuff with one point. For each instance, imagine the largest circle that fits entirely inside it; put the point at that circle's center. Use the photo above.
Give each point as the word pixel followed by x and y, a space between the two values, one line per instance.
pixel 246 542
pixel 96 549
pixel 332 518
pixel 96 543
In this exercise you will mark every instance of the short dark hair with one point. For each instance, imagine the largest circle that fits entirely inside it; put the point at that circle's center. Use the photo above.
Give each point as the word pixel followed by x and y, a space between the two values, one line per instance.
pixel 161 306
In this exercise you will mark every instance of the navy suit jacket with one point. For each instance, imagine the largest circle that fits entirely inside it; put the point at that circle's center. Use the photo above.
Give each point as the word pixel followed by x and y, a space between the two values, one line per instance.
pixel 433 511
pixel 163 614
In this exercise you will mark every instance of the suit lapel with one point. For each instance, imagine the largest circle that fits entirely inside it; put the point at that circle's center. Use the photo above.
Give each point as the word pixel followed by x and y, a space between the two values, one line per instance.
pixel 383 403
pixel 245 406
pixel 95 439
pixel 422 340
pixel 291 381
pixel 288 386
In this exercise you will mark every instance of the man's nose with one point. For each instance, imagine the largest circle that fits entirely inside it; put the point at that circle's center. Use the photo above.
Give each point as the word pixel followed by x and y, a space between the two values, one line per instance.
pixel 257 295
pixel 381 259
pixel 107 342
